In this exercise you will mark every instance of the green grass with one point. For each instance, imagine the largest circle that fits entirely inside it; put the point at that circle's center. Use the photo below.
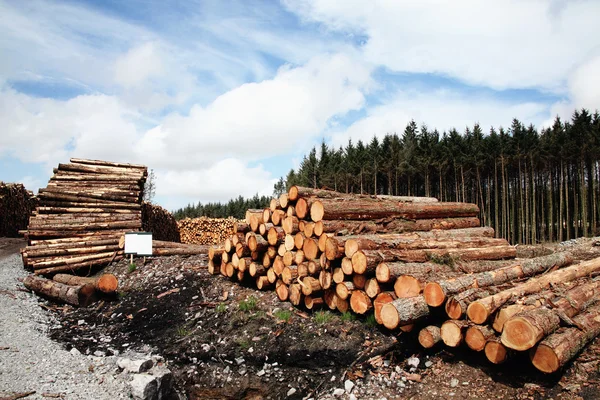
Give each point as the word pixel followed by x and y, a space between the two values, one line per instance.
pixel 182 331
pixel 243 343
pixel 283 315
pixel 370 321
pixel 348 317
pixel 221 308
pixel 443 260
pixel 132 267
pixel 323 317
pixel 248 305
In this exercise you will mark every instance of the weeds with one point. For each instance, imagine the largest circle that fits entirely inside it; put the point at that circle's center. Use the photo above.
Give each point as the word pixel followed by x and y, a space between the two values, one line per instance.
pixel 221 308
pixel 348 317
pixel 132 267
pixel 443 260
pixel 283 315
pixel 182 331
pixel 370 321
pixel 243 343
pixel 323 317
pixel 248 305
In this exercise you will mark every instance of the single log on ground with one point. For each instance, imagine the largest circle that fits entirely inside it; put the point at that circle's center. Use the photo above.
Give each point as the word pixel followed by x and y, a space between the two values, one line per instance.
pixel 557 349
pixel 525 329
pixel 435 292
pixel 106 283
pixel 369 209
pixel 403 311
pixel 430 336
pixel 477 336
pixel 452 332
pixel 480 310
pixel 75 295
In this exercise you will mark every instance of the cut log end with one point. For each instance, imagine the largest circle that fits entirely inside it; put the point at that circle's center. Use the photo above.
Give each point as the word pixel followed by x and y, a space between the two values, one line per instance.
pixel 429 336
pixel 454 309
pixel 389 316
pixel 434 294
pixel 451 333
pixel 495 352
pixel 360 303
pixel 107 283
pixel 545 359
pixel 477 313
pixel 407 286
pixel 519 334
pixel 476 337
pixel 317 211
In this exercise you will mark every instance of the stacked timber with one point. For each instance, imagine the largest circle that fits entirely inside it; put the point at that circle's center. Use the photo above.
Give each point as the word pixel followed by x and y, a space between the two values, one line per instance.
pixel 320 248
pixel 207 231
pixel 16 204
pixel 86 208
pixel 160 222
pixel 546 306
pixel 165 248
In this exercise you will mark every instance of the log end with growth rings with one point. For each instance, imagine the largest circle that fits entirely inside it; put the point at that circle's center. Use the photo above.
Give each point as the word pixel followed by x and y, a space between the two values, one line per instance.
pixel 317 211
pixel 407 286
pixel 350 247
pixel 544 358
pixel 451 334
pixel 389 316
pixel 477 313
pixel 454 309
pixel 495 352
pixel 434 294
pixel 519 334
pixel 107 283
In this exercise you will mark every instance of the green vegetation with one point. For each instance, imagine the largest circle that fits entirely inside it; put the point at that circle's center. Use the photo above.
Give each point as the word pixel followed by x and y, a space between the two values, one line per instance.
pixel 132 267
pixel 243 343
pixel 348 317
pixel 248 305
pixel 283 315
pixel 234 208
pixel 221 308
pixel 183 331
pixel 531 184
pixel 323 317
pixel 370 321
pixel 443 260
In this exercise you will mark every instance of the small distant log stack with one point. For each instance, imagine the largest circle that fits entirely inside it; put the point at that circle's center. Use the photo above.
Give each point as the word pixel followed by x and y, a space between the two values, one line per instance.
pixel 16 204
pixel 160 222
pixel 206 231
pixel 83 212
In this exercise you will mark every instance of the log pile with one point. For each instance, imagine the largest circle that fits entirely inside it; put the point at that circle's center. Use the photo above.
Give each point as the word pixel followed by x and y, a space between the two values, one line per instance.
pixel 83 212
pixel 206 231
pixel 160 222
pixel 16 204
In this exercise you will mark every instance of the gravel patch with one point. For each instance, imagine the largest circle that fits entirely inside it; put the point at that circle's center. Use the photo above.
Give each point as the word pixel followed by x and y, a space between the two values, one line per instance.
pixel 30 361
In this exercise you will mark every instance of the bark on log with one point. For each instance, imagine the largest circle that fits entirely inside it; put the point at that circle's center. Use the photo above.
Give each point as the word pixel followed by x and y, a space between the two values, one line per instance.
pixel 390 225
pixel 89 264
pixel 369 209
pixel 275 235
pixel 80 296
pixel 557 349
pixel 436 292
pixel 388 272
pixel 456 306
pixel 106 283
pixel 483 308
pixel 310 285
pixel 524 330
pixel 296 192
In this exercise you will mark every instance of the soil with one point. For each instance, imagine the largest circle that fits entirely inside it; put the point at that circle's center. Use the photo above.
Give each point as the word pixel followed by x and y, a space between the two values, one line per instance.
pixel 226 340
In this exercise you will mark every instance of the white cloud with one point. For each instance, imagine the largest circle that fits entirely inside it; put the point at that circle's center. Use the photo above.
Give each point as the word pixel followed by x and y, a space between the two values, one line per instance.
pixel 499 44
pixel 440 109
pixel 138 65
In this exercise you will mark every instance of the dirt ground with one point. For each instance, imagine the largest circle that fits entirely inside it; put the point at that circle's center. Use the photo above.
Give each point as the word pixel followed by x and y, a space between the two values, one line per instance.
pixel 224 340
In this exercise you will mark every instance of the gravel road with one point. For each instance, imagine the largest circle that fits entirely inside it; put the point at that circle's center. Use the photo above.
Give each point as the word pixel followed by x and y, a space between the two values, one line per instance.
pixel 30 361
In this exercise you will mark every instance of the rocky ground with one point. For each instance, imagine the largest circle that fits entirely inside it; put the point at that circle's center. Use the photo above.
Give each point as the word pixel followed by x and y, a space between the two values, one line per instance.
pixel 222 340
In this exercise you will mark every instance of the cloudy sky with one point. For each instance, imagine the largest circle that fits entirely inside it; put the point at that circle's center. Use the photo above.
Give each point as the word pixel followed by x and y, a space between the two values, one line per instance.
pixel 221 98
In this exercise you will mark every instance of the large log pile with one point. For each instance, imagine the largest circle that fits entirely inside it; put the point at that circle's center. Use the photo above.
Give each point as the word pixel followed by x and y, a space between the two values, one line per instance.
pixel 160 222
pixel 206 230
pixel 83 212
pixel 16 204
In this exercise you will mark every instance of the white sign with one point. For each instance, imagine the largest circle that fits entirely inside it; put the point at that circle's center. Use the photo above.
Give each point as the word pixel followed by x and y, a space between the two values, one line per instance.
pixel 138 243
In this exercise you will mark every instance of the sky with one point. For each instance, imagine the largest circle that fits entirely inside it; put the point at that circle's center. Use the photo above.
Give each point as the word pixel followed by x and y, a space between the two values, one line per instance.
pixel 221 98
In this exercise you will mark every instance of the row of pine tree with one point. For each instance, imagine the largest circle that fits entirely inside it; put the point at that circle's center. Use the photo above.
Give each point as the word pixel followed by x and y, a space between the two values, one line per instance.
pixel 531 185
pixel 233 208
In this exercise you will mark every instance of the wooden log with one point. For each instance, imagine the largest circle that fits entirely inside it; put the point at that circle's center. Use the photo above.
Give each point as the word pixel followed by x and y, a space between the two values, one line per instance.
pixel 313 303
pixel 143 169
pixel 271 275
pixel 477 336
pixel 330 299
pixel 524 330
pixel 390 225
pixel 359 281
pixel 452 332
pixel 310 248
pixel 255 269
pixel 438 238
pixel 289 274
pixel 456 306
pixel 505 313
pixel 403 311
pixel 389 271
pixel 372 288
pixel 318 229
pixel 290 225
pixel 282 290
pixel 303 270
pixel 342 305
pixel 46 252
pixel 338 275
pixel 211 267
pixel 266 216
pixel 283 200
pixel 366 261
pixel 106 283
pixel 214 252
pixel 277 217
pixel 295 295
pixel 480 310
pixel 290 211
pixel 275 235
pixel 436 292
pixel 309 229
pixel 363 209
pixel 360 303
pixel 557 349
pixel 257 243
pixel 346 266
pixel 80 296
pixel 314 267
pixel 274 204
pixel 289 242
pixel 379 301
pixel 407 286
pixel 310 285
pixel 299 240
pixel 258 213
pixel 495 351
pixel 58 261
pixel 262 282
pixel 429 336
pixel 189 251
pixel 88 264
pixel 296 192
pixel 343 290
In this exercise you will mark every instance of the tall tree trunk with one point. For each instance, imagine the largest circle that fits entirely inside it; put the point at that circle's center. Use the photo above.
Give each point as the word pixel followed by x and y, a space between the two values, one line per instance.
pixel 584 213
pixel 496 209
pixel 550 188
pixel 533 214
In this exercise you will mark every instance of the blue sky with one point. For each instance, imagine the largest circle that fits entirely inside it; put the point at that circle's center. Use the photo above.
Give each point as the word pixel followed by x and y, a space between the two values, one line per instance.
pixel 222 98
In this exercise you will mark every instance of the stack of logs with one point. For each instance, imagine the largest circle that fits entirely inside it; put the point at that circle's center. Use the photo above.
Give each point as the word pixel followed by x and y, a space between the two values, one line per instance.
pixel 402 259
pixel 160 222
pixel 83 212
pixel 206 230
pixel 16 204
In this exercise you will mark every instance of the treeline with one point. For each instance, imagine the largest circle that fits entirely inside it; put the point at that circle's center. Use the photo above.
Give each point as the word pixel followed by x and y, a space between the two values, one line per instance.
pixel 531 185
pixel 234 208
